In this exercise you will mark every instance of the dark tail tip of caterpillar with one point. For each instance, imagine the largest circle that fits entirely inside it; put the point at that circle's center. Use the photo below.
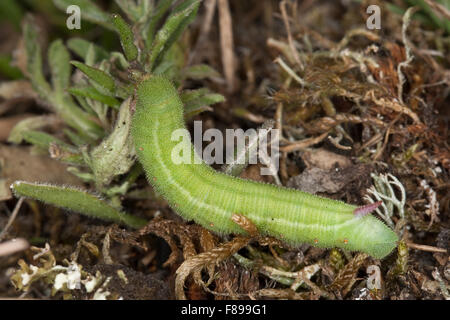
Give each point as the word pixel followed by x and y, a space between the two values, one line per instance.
pixel 365 210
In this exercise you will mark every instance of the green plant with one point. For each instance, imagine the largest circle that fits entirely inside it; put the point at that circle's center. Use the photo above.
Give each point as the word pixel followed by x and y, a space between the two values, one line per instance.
pixel 96 104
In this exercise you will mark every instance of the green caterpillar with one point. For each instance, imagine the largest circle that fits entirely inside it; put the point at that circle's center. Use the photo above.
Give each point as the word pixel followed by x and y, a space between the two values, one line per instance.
pixel 210 198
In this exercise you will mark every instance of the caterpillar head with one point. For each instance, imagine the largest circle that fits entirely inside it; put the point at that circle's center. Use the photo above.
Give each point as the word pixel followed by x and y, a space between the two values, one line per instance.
pixel 369 234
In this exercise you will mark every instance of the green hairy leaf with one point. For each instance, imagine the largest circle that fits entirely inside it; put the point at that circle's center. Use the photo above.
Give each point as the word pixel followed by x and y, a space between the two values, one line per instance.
pixel 200 72
pixel 92 93
pixel 32 123
pixel 44 140
pixel 197 101
pixel 172 29
pixel 57 97
pixel 75 200
pixel 58 59
pixel 81 47
pixel 34 57
pixel 161 9
pixel 126 37
pixel 97 75
pixel 133 10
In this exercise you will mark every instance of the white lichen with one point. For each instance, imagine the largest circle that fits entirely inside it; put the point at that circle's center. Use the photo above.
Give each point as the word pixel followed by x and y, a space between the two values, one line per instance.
pixel 60 280
pixel 383 190
pixel 102 293
pixel 26 278
pixel 433 204
pixel 70 277
pixel 73 276
pixel 91 282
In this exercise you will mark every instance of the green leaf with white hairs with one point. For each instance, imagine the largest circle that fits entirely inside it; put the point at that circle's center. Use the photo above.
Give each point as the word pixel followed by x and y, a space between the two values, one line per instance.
pixel 200 72
pixel 58 59
pixel 75 138
pixel 56 97
pixel 84 104
pixel 126 37
pixel 32 123
pixel 80 47
pixel 170 32
pixel 134 11
pixel 91 56
pixel 119 60
pixel 44 140
pixel 94 94
pixel 96 75
pixel 86 177
pixel 57 148
pixel 198 101
pixel 172 63
pixel 161 9
pixel 77 118
pixel 75 200
pixel 34 57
